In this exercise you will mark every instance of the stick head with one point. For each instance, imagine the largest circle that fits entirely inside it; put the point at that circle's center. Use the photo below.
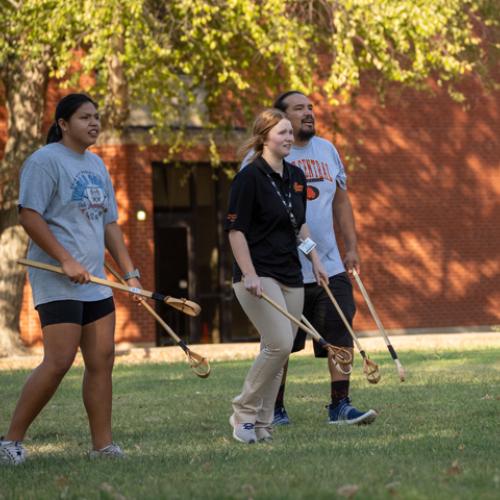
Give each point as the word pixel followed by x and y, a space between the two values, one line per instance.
pixel 340 357
pixel 371 370
pixel 199 364
pixel 184 305
pixel 339 354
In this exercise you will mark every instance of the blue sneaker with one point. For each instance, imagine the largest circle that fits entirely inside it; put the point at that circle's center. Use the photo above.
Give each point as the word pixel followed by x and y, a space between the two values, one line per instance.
pixel 280 416
pixel 345 414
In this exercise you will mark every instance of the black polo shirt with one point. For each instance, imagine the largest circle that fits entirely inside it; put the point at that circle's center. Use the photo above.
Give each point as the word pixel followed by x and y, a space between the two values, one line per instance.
pixel 256 210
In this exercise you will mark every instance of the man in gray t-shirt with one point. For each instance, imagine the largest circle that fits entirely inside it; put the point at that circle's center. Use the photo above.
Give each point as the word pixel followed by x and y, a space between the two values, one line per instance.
pixel 328 202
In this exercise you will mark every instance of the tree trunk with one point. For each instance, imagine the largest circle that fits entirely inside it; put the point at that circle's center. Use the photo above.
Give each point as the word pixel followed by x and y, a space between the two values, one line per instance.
pixel 25 88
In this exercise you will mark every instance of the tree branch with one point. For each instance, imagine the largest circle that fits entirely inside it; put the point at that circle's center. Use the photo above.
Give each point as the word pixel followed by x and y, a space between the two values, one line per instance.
pixel 14 4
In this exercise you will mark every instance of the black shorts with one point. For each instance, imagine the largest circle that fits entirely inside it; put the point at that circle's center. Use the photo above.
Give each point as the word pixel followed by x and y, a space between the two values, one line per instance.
pixel 74 311
pixel 320 311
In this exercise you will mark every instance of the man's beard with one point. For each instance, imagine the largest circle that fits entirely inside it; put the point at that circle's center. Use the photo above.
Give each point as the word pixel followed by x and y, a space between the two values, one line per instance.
pixel 305 135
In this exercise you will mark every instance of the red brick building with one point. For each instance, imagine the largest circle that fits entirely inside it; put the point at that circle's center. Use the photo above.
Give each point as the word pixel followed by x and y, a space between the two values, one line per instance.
pixel 426 195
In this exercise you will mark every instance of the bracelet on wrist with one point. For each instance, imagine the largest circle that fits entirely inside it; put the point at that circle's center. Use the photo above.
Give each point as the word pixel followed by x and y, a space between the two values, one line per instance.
pixel 132 274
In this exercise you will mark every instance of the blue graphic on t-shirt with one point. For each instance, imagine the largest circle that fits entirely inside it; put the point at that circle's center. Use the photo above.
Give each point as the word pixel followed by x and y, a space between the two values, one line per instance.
pixel 90 193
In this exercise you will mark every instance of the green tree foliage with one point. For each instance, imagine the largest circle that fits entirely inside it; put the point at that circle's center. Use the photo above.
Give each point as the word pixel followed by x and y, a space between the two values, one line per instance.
pixel 169 52
pixel 405 42
pixel 225 56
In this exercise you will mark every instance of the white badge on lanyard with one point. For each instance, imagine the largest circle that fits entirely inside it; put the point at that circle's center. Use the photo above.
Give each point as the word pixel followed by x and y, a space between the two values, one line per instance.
pixel 307 246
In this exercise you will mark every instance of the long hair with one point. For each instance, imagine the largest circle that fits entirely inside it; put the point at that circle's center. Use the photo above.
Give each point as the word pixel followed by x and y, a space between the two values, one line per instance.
pixel 65 109
pixel 264 122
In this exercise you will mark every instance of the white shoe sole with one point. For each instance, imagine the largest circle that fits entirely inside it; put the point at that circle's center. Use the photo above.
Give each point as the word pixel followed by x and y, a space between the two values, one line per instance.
pixel 365 419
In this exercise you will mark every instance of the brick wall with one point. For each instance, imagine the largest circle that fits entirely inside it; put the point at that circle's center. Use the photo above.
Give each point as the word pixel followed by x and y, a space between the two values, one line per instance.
pixel 131 172
pixel 427 201
pixel 426 197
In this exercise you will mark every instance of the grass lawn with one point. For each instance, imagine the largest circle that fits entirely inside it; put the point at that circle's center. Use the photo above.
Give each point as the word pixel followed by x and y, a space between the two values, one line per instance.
pixel 437 435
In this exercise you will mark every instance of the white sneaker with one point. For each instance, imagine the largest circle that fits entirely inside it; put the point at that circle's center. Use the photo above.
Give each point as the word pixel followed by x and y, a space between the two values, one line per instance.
pixel 12 452
pixel 244 433
pixel 110 451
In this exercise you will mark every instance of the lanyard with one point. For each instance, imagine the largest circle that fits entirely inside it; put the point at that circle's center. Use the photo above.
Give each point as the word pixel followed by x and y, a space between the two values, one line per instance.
pixel 287 203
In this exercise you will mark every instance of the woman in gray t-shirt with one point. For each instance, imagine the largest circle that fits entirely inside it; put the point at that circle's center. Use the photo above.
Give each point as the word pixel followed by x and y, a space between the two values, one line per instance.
pixel 67 206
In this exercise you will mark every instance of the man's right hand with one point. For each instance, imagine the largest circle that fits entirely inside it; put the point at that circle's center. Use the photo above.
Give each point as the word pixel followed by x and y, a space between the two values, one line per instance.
pixel 252 284
pixel 351 261
pixel 75 271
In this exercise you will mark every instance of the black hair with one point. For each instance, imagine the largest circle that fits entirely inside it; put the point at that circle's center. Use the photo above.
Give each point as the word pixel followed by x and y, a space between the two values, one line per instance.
pixel 279 103
pixel 65 109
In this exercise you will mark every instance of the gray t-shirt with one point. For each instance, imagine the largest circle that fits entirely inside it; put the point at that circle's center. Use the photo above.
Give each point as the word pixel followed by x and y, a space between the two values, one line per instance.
pixel 323 168
pixel 321 164
pixel 74 195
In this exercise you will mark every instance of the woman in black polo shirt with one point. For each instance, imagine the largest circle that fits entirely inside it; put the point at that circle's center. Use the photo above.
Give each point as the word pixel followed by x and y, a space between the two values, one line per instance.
pixel 266 222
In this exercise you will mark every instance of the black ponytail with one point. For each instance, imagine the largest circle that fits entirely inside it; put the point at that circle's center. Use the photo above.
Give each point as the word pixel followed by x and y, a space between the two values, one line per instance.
pixel 54 134
pixel 65 109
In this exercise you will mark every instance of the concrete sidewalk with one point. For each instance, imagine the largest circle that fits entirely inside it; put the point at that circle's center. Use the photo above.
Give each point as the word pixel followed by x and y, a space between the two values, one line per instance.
pixel 129 354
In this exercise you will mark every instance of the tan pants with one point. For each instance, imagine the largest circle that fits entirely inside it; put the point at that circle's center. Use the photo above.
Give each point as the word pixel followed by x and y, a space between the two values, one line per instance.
pixel 255 404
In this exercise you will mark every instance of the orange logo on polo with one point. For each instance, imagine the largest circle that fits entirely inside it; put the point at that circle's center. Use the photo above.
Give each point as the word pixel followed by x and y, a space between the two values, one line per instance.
pixel 232 217
pixel 298 188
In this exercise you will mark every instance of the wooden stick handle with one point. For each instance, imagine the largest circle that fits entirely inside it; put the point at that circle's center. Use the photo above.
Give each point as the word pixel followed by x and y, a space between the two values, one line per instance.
pixel 184 305
pixel 371 307
pixel 311 327
pixel 194 359
pixel 313 333
pixel 373 312
pixel 343 318
pixel 148 308
pixel 93 279
pixel 292 318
